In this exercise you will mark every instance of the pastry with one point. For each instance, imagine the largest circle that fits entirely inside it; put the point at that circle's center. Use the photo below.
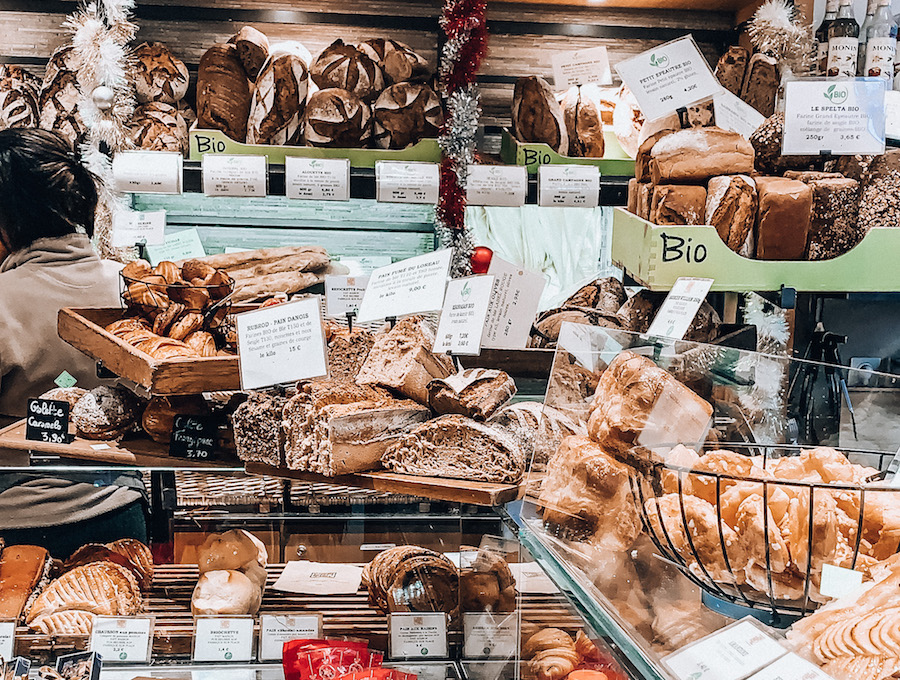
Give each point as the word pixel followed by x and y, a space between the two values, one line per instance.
pixel 100 587
pixel 731 69
pixel 158 75
pixel 678 205
pixel 257 429
pixel 91 553
pixel 70 395
pixel 220 593
pixel 761 83
pixel 59 96
pixel 731 205
pixel 537 116
pixel 186 325
pixel 279 101
pixel 137 553
pixel 404 114
pixel 550 654
pixel 487 585
pixel 253 50
pixel 345 67
pixel 164 349
pixel 476 393
pixel 68 622
pixel 785 210
pixel 337 118
pixel 159 127
pixel 223 92
pixel 674 158
pixel 24 571
pixel 582 110
pixel 105 413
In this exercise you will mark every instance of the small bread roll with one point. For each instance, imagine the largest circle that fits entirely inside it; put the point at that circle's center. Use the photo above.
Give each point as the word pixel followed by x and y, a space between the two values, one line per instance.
pixel 231 550
pixel 225 592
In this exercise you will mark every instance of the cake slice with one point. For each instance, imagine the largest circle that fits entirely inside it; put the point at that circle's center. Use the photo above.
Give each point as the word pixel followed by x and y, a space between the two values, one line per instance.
pixel 24 570
pixel 476 393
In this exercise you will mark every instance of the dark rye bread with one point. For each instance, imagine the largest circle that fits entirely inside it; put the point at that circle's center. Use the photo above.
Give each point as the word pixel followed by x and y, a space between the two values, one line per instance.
pixel 782 227
pixel 732 68
pixel 834 225
pixel 223 92
pixel 347 351
pixel 638 313
pixel 761 83
pixel 537 116
pixel 253 50
pixel 258 434
pixel 476 393
pixel 549 323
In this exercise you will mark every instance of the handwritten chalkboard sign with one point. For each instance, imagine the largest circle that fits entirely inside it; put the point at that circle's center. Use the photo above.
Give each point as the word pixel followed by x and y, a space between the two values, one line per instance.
pixel 48 421
pixel 193 437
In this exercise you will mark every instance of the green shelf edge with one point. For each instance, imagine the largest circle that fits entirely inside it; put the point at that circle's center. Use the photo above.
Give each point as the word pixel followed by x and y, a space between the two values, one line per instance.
pixel 532 156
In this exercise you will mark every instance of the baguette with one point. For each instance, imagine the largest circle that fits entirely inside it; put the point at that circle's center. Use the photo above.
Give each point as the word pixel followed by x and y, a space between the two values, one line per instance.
pixel 247 258
pixel 268 285
pixel 305 262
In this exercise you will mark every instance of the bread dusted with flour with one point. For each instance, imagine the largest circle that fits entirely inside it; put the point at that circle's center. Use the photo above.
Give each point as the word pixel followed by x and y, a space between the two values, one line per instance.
pixel 345 67
pixel 695 155
pixel 404 114
pixel 158 75
pixel 279 101
pixel 60 95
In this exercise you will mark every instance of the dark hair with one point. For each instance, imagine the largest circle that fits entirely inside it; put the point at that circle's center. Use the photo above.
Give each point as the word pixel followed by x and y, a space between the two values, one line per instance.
pixel 45 191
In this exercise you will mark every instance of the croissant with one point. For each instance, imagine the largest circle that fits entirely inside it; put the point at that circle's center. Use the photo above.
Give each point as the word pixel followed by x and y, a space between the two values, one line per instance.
pixel 586 648
pixel 136 269
pixel 551 654
pixel 186 325
pixel 201 342
pixel 129 323
pixel 170 271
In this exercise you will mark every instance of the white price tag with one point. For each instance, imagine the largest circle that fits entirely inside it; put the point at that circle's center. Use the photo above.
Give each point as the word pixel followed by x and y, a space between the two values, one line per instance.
pixel 130 228
pixel 376 547
pixel 462 318
pixel 838 581
pixel 499 185
pixel 490 636
pixel 223 638
pixel 569 186
pixel 363 266
pixel 319 578
pixel 321 179
pixel 410 286
pixel 418 635
pixel 274 631
pixel 669 77
pixel 280 344
pixel 791 667
pixel 834 117
pixel 680 307
pixel 400 182
pixel 234 175
pixel 531 579
pixel 732 653
pixel 515 298
pixel 216 674
pixel 344 294
pixel 123 639
pixel 181 245
pixel 581 67
pixel 7 639
pixel 733 113
pixel 148 172
pixel 892 114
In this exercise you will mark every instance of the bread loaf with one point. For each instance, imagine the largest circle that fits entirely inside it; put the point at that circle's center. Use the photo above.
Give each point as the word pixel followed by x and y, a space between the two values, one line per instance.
pixel 337 118
pixel 731 206
pixel 399 62
pixel 767 140
pixel 18 104
pixel 628 121
pixel 537 428
pixel 785 208
pixel 639 311
pixel 537 116
pixel 221 593
pixel 189 115
pixel 257 429
pixel 642 159
pixel 159 127
pixel 605 295
pixel 634 195
pixel 761 83
pixel 408 578
pixel 698 154
pixel 347 351
pixel 158 75
pixel 347 68
pixel 582 109
pixel 645 199
pixel 404 114
pixel 59 96
pixel 834 227
pixel 19 74
pixel 678 204
pixel 223 92
pixel 731 69
pixel 158 419
pixel 253 50
pixel 279 101
pixel 549 323
pixel 105 413
pixel 476 393
pixel 880 202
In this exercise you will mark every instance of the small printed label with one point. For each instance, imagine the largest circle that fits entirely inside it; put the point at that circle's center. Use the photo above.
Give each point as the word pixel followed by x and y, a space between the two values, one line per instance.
pixel 410 286
pixel 234 175
pixel 880 58
pixel 182 245
pixel 490 636
pixel 842 57
pixel 122 639
pixel 497 185
pixel 100 447
pixel 48 421
pixel 148 172
pixel 531 579
pixel 194 438
pixel 319 578
pixel 733 113
pixel 791 667
pixel 515 299
pixel 144 228
pixel 65 380
pixel 462 319
pixel 581 67
pixel 363 266
pixel 7 639
pixel 274 631
pixel 344 294
pixel 223 638
pixel 371 547
pixel 680 307
pixel 321 179
pixel 418 635
pixel 399 182
pixel 569 186
pixel 838 581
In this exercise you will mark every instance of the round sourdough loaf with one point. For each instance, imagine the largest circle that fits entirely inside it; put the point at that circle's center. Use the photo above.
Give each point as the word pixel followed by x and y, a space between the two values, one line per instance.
pixel 343 66
pixel 397 60
pixel 159 127
pixel 158 75
pixel 59 96
pixel 253 50
pixel 18 104
pixel 406 113
pixel 337 118
pixel 223 92
pixel 537 116
pixel 225 592
pixel 279 101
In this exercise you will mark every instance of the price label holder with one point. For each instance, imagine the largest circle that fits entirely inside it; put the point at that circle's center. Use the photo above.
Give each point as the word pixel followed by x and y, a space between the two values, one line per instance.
pixel 182 245
pixel 490 636
pixel 732 653
pixel 223 638
pixel 834 117
pixel 225 175
pixel 462 319
pixel 581 68
pixel 733 113
pixel 497 185
pixel 321 179
pixel 400 182
pixel 515 298
pixel 81 665
pixel 222 674
pixel 892 115
pixel 838 581
pixel 274 631
pixel 130 227
pixel 418 635
pixel 411 286
pixel 123 639
pixel 669 77
pixel 791 667
pixel 48 421
pixel 7 638
pixel 344 294
pixel 568 186
pixel 148 172
pixel 194 438
pixel 280 344
pixel 680 307
pixel 17 668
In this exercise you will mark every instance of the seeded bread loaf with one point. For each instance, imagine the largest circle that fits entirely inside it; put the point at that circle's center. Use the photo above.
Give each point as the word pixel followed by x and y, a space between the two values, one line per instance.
pixel 695 155
pixel 223 92
pixel 880 202
pixel 347 351
pixel 538 428
pixel 476 393
pixel 767 141
pixel 834 225
pixel 258 434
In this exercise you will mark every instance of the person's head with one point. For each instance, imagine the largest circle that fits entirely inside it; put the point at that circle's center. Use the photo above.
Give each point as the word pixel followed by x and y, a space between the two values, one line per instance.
pixel 45 191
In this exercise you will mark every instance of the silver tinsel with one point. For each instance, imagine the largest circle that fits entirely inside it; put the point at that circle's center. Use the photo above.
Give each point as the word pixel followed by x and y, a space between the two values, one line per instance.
pixel 463 245
pixel 778 29
pixel 458 141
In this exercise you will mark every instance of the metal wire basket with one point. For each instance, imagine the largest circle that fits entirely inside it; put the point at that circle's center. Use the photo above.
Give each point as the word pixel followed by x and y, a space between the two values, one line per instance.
pixel 152 295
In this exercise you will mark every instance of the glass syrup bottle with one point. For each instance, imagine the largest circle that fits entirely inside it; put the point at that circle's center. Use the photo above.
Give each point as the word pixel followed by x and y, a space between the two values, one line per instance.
pixel 821 65
pixel 843 42
pixel 881 43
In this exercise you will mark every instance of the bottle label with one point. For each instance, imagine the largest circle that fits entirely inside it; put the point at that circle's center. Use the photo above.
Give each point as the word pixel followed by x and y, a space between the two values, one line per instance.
pixel 880 57
pixel 842 54
pixel 822 57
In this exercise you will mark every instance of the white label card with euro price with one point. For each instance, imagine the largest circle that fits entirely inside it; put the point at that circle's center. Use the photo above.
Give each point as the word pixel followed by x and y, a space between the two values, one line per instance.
pixel 274 631
pixel 411 286
pixel 182 245
pixel 7 638
pixel 669 77
pixel 122 639
pixel 400 182
pixel 497 185
pixel 418 635
pixel 490 636
pixel 531 579
pixel 320 179
pixel 344 294
pixel 733 113
pixel 148 172
pixel 234 175
pixel 568 186
pixel 581 67
pixel 145 228
pixel 833 117
pixel 223 638
pixel 839 581
pixel 680 307
pixel 462 318
pixel 791 667
pixel 319 578
pixel 281 344
pixel 733 653
pixel 515 299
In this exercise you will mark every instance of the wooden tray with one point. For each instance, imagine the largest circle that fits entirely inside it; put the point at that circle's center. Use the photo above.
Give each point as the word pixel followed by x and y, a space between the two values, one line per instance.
pixel 84 330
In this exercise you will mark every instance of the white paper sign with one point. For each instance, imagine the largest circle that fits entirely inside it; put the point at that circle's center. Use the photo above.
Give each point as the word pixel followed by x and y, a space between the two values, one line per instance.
pixel 892 114
pixel 515 298
pixel 581 67
pixel 531 579
pixel 489 636
pixel 322 179
pixel 791 667
pixel 733 113
pixel 7 639
pixel 669 77
pixel 730 654
pixel 834 117
pixel 680 307
pixel 838 581
pixel 319 578
pixel 234 175
pixel 122 639
pixel 223 638
pixel 344 294
pixel 131 228
pixel 462 318
pixel 569 186
pixel 410 286
pixel 181 245
pixel 274 631
pixel 418 635
pixel 503 185
pixel 363 266
pixel 148 172
pixel 280 344
pixel 400 182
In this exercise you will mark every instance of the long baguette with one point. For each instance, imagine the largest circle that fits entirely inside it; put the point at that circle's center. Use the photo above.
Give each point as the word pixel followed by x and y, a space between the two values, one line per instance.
pixel 282 282
pixel 250 257
pixel 305 262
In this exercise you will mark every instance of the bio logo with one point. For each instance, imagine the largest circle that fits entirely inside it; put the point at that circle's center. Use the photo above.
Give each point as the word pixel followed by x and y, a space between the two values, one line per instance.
pixel 835 95
pixel 466 291
pixel 658 61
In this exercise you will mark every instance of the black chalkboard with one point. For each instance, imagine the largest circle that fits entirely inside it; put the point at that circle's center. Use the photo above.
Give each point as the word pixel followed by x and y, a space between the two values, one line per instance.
pixel 194 437
pixel 47 421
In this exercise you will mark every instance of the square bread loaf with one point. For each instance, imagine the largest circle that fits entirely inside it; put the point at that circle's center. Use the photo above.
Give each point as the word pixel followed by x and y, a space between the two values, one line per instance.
pixel 782 227
pixel 693 156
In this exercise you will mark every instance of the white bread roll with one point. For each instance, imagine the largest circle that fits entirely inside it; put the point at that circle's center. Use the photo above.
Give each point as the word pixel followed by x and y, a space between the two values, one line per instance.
pixel 225 592
pixel 231 550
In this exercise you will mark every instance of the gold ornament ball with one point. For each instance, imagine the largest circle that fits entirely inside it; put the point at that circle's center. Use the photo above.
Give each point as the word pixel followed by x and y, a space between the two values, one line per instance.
pixel 103 97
